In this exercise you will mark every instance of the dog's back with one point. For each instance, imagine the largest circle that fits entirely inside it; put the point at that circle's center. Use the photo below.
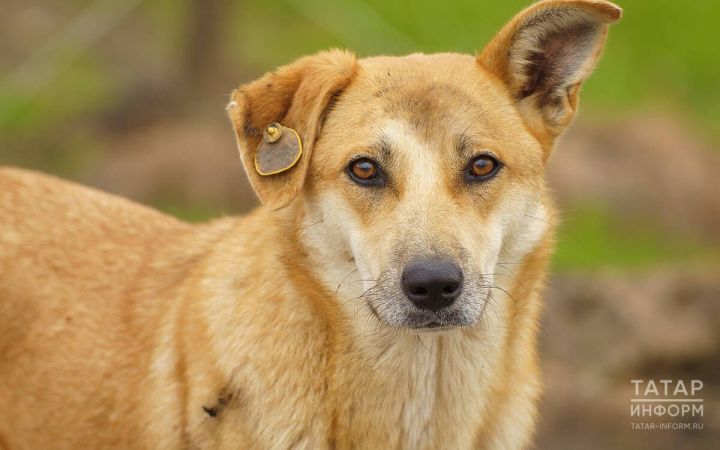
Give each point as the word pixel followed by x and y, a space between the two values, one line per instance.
pixel 70 260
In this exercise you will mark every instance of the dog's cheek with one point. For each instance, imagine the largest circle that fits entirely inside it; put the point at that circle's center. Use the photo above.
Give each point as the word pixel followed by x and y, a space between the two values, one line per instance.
pixel 527 220
pixel 487 243
pixel 476 229
pixel 338 223
pixel 372 248
pixel 347 235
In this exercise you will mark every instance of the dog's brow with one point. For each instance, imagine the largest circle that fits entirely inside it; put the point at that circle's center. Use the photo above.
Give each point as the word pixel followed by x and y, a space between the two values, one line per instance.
pixel 383 146
pixel 464 143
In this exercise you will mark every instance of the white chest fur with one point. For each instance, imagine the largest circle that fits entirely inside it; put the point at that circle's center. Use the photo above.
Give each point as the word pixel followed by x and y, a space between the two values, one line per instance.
pixel 435 385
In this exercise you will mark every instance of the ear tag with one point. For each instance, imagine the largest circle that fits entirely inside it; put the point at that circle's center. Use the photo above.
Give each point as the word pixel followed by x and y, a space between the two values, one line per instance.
pixel 279 150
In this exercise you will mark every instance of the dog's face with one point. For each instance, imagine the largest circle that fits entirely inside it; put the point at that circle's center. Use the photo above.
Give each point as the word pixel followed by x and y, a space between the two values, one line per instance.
pixel 427 170
pixel 426 178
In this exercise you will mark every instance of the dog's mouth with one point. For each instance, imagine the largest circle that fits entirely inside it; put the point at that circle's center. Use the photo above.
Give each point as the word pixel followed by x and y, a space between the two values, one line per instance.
pixel 424 321
pixel 440 320
pixel 436 325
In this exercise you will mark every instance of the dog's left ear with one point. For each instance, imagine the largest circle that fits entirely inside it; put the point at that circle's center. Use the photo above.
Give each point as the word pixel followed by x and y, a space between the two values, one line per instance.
pixel 278 117
pixel 544 54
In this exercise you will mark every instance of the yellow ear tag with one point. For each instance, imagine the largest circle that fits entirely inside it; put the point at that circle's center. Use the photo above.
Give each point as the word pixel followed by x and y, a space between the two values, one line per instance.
pixel 279 150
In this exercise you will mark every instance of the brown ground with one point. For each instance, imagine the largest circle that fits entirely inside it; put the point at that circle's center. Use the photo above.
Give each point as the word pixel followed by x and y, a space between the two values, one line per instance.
pixel 603 330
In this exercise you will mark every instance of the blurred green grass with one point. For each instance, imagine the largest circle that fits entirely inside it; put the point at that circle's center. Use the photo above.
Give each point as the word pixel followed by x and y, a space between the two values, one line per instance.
pixel 591 238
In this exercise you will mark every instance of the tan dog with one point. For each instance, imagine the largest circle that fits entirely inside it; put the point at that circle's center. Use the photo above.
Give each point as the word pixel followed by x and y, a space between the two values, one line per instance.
pixel 386 295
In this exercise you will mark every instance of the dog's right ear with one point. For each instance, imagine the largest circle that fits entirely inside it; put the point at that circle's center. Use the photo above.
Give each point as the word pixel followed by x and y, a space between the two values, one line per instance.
pixel 296 97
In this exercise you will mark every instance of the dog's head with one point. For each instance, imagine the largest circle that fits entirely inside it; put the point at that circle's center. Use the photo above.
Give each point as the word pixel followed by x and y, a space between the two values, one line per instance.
pixel 421 174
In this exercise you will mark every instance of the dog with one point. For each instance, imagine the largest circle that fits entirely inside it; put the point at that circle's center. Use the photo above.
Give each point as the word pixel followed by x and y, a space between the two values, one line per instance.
pixel 385 295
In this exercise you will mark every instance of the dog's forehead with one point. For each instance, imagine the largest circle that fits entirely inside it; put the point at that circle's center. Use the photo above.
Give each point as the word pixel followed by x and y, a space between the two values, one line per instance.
pixel 439 100
pixel 420 83
pixel 435 95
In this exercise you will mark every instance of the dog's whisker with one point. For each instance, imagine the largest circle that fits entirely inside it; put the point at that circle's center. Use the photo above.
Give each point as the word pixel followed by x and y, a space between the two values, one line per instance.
pixel 497 274
pixel 312 224
pixel 538 219
pixel 422 343
pixel 343 280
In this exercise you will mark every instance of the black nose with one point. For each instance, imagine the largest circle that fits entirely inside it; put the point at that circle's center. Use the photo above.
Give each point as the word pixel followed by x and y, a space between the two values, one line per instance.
pixel 432 284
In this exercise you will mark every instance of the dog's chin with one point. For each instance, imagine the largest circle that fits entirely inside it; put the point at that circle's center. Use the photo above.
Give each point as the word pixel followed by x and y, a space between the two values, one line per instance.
pixel 424 323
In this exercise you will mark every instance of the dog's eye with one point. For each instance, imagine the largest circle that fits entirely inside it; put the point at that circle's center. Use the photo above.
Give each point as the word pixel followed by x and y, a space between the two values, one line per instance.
pixel 365 171
pixel 482 168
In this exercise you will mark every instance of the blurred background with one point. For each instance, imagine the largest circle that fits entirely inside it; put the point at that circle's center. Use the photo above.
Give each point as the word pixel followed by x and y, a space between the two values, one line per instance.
pixel 128 96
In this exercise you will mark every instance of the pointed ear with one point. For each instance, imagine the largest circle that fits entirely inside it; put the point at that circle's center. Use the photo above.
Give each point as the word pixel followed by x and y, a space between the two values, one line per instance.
pixel 544 54
pixel 297 97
